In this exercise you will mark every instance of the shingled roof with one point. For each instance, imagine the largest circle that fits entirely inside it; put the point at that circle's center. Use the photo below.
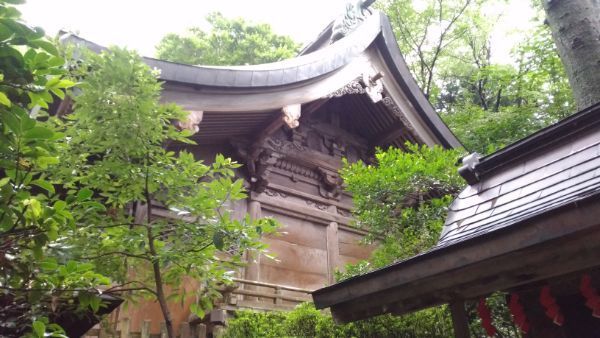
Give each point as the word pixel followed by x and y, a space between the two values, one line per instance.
pixel 530 212
pixel 562 170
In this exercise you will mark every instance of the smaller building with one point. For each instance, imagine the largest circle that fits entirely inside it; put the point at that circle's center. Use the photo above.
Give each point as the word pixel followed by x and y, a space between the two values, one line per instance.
pixel 528 224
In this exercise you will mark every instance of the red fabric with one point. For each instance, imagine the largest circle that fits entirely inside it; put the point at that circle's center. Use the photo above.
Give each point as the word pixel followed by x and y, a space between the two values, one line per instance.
pixel 516 309
pixel 590 294
pixel 486 318
pixel 552 309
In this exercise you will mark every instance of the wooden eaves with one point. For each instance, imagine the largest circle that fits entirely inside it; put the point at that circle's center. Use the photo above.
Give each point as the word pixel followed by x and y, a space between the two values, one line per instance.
pixel 244 100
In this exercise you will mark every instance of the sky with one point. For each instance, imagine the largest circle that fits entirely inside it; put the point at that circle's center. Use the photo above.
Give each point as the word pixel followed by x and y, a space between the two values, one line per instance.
pixel 140 24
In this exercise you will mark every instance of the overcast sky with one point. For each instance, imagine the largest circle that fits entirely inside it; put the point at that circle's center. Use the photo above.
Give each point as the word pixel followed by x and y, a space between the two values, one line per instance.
pixel 140 24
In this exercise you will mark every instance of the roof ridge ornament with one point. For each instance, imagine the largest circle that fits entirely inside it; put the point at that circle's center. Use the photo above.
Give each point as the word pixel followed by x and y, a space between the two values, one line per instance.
pixel 356 12
pixel 468 170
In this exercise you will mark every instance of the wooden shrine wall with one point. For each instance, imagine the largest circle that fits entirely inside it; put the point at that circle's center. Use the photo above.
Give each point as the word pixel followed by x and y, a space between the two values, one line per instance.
pixel 292 177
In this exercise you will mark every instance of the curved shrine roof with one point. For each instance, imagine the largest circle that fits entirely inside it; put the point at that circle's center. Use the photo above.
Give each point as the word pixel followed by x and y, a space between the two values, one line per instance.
pixel 319 70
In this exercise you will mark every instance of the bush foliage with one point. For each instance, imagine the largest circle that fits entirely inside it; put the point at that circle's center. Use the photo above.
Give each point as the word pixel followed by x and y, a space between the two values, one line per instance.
pixel 306 321
pixel 402 200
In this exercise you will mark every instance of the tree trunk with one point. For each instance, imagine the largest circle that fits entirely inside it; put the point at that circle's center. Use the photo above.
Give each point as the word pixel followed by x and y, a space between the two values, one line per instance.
pixel 575 28
pixel 158 282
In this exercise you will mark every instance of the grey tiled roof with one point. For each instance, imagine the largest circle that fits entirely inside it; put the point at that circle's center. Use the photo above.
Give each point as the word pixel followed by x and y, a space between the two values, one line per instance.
pixel 287 72
pixel 547 179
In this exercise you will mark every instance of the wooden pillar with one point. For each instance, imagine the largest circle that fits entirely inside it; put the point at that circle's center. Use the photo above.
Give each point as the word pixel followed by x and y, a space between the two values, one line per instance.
pixel 460 321
pixel 184 330
pixel 145 329
pixel 252 271
pixel 333 250
pixel 163 330
pixel 125 328
pixel 201 331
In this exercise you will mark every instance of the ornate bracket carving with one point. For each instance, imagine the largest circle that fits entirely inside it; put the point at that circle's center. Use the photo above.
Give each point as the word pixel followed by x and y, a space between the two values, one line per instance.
pixel 192 121
pixel 368 83
pixel 393 107
pixel 291 115
pixel 353 87
pixel 373 86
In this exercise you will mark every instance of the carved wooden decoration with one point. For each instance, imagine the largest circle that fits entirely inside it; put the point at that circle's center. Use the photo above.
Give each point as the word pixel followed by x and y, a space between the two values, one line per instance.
pixel 368 83
pixel 393 107
pixel 291 115
pixel 353 87
pixel 192 122
pixel 373 86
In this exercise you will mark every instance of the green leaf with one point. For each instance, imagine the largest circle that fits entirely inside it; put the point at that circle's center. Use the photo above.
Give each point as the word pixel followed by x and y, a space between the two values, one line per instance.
pixel 60 205
pixel 34 206
pixel 45 45
pixel 4 181
pixel 95 303
pixel 195 309
pixel 45 161
pixel 39 328
pixel 218 240
pixel 39 133
pixel 44 185
pixel 12 121
pixel 84 194
pixel 5 32
pixel 4 99
pixel 49 264
pixel 95 205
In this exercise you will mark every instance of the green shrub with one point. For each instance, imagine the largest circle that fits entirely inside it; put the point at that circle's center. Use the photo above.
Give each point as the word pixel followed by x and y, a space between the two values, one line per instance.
pixel 256 324
pixel 306 321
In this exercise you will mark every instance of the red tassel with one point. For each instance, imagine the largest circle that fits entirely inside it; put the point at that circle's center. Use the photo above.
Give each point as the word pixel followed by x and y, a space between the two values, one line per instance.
pixel 552 309
pixel 590 294
pixel 486 318
pixel 516 309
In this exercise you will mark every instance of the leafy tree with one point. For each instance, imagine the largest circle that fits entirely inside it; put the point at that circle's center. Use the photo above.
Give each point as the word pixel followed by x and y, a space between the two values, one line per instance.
pixel 228 42
pixel 33 215
pixel 428 35
pixel 448 47
pixel 490 105
pixel 402 198
pixel 117 148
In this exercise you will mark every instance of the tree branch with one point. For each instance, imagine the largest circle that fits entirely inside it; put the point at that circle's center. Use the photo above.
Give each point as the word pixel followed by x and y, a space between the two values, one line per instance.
pixel 122 253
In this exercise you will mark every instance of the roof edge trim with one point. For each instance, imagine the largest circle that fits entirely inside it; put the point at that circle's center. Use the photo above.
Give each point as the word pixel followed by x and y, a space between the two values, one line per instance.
pixel 583 120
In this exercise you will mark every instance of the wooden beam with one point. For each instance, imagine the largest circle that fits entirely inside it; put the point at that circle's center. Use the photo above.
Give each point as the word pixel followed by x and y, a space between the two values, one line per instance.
pixel 460 321
pixel 395 131
pixel 525 254
pixel 521 267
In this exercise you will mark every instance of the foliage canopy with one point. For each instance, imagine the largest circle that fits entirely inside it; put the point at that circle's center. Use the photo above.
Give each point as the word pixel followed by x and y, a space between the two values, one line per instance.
pixel 32 214
pixel 228 42
pixel 117 147
pixel 488 104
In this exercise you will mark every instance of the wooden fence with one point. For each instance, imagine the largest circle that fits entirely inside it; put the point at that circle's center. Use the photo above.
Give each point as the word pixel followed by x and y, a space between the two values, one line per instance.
pixel 255 295
pixel 244 294
pixel 185 331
